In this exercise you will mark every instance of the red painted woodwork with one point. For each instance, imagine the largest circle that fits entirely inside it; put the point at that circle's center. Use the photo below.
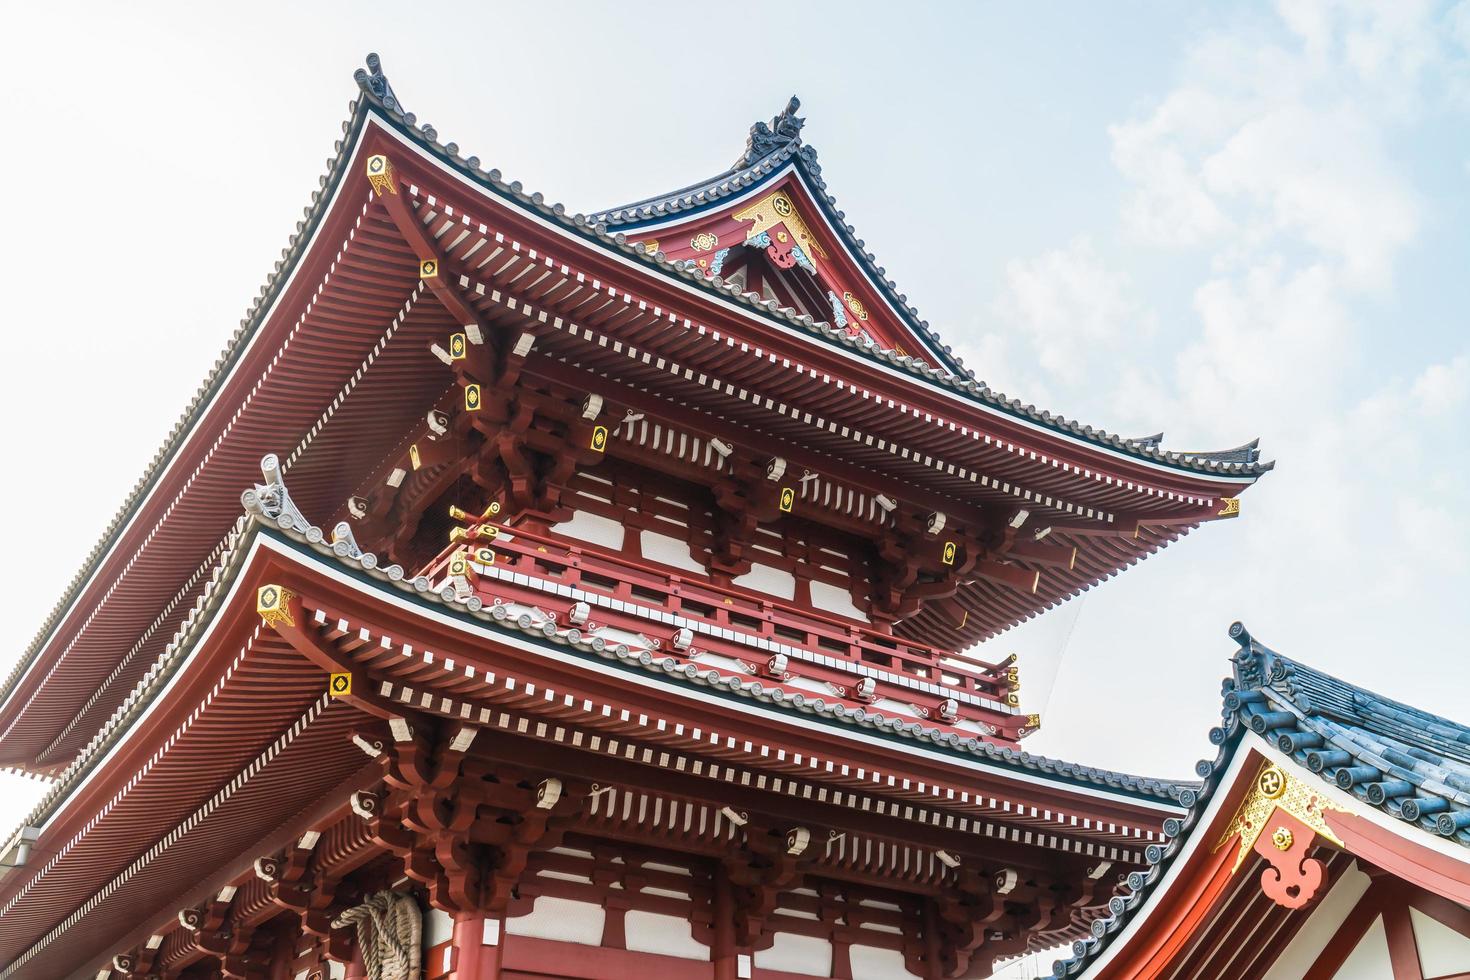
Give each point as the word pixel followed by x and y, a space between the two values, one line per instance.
pixel 1406 858
pixel 1293 879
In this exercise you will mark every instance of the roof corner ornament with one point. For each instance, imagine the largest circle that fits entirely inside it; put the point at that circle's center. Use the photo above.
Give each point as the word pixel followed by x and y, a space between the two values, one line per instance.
pixel 381 175
pixel 375 83
pixel 273 604
pixel 766 138
pixel 271 500
pixel 1280 820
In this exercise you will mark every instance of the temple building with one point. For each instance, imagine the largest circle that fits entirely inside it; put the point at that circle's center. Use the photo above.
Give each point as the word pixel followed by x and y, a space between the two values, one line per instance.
pixel 1330 840
pixel 530 594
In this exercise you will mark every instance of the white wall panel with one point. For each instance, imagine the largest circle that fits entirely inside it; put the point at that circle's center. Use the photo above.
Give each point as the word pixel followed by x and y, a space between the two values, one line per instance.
pixel 809 955
pixel 560 919
pixel 650 932
pixel 1369 960
pixel 835 600
pixel 1312 938
pixel 872 963
pixel 771 581
pixel 593 529
pixel 1442 950
pixel 668 551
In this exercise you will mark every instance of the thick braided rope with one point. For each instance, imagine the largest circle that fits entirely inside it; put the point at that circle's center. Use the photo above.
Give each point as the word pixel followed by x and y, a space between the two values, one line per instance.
pixel 389 933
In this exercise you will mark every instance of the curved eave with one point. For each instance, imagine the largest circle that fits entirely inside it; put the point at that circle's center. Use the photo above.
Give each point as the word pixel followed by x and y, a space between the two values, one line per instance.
pixel 184 431
pixel 365 575
pixel 901 369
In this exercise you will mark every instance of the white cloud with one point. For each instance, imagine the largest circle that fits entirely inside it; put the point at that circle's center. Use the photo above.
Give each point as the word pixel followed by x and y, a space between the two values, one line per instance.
pixel 1443 388
pixel 1271 172
pixel 1068 306
pixel 1170 204
pixel 1319 175
pixel 1269 144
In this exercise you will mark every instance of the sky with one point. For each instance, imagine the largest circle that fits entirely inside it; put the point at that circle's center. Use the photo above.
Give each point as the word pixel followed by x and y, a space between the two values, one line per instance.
pixel 1224 222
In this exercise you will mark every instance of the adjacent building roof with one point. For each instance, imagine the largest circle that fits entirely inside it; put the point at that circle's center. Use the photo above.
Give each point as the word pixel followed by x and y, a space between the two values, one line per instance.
pixel 1390 756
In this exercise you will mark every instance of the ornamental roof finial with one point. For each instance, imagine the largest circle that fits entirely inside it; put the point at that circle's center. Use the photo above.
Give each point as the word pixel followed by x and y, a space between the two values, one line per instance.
pixel 374 82
pixel 766 138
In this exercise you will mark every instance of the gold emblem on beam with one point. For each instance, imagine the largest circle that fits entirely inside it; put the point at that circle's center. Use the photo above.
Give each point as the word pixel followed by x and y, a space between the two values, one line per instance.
pixel 949 552
pixel 788 499
pixel 1229 507
pixel 381 176
pixel 457 343
pixel 704 242
pixel 339 685
pixel 776 209
pixel 273 603
pixel 413 456
pixel 599 439
pixel 860 311
pixel 1274 789
pixel 471 398
pixel 429 269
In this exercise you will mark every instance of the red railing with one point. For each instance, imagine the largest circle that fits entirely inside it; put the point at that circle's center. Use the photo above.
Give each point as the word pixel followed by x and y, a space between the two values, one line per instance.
pixel 647 584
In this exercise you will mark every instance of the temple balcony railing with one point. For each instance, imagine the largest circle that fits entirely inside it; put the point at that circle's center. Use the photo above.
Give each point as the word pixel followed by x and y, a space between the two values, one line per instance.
pixel 732 629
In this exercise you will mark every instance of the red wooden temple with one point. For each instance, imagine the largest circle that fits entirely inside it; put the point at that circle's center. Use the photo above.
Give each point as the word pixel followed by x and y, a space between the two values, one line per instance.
pixel 635 644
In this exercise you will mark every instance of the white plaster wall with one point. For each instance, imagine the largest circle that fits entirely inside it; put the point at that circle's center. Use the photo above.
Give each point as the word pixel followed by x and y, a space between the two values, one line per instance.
pixel 438 928
pixel 593 529
pixel 1369 960
pixel 670 935
pixel 809 955
pixel 1442 950
pixel 772 581
pixel 872 963
pixel 835 600
pixel 1312 938
pixel 668 551
pixel 560 919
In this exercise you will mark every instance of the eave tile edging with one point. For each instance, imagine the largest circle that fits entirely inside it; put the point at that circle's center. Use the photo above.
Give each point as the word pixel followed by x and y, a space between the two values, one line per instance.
pixel 151 683
pixel 342 552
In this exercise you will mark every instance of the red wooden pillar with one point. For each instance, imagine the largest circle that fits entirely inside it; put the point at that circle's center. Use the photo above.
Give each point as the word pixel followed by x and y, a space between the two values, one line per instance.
pixel 731 962
pixel 356 970
pixel 478 942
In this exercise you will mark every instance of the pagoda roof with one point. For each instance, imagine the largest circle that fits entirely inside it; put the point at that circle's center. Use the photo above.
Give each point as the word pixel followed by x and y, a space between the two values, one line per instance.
pixel 1395 759
pixel 188 478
